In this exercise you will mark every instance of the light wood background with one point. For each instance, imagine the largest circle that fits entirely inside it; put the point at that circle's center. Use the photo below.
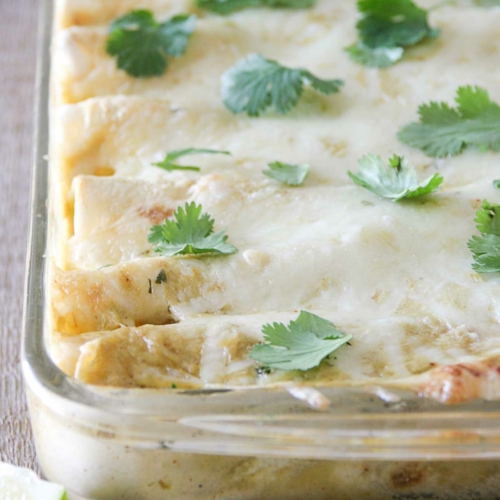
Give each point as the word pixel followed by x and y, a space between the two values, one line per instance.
pixel 18 30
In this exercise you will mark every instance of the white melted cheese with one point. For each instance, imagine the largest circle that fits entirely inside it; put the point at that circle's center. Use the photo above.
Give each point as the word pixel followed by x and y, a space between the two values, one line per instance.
pixel 213 352
pixel 396 276
pixel 90 12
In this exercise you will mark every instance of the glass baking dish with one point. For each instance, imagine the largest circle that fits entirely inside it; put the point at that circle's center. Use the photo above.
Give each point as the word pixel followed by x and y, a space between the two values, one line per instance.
pixel 253 444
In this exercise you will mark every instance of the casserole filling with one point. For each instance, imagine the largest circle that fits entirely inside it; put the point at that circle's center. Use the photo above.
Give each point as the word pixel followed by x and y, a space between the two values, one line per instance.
pixel 395 276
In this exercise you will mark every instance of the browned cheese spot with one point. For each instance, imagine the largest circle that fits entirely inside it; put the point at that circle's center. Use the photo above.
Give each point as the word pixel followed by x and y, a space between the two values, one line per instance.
pixel 156 214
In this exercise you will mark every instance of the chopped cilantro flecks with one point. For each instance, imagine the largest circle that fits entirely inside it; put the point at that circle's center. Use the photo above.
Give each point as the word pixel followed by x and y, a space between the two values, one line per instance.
pixel 161 278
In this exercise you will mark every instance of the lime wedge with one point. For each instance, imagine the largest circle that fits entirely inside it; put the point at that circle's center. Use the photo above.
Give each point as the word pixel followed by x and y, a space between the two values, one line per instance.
pixel 22 484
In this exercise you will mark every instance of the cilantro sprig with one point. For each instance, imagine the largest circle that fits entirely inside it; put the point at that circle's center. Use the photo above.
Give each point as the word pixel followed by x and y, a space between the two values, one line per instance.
pixel 225 7
pixel 169 164
pixel 446 131
pixel 293 175
pixel 191 233
pixel 386 29
pixel 255 83
pixel 300 346
pixel 142 45
pixel 486 248
pixel 396 181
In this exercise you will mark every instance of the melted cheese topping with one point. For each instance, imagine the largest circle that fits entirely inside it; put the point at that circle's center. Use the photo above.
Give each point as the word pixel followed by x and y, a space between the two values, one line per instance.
pixel 212 351
pixel 396 276
pixel 90 12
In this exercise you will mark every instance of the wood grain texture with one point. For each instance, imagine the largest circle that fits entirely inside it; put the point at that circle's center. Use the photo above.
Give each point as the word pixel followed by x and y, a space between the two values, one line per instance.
pixel 18 28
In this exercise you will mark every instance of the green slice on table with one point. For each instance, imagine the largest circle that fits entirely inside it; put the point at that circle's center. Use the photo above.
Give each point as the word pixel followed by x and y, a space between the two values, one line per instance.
pixel 17 483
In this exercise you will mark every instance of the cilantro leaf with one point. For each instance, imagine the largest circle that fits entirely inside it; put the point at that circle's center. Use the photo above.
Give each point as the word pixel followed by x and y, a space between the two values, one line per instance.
pixel 396 182
pixel 486 253
pixel 488 219
pixel 386 28
pixel 169 165
pixel 224 7
pixel 398 23
pixel 293 175
pixel 486 248
pixel 445 131
pixel 156 235
pixel 380 57
pixel 256 83
pixel 190 234
pixel 142 44
pixel 496 183
pixel 475 101
pixel 300 346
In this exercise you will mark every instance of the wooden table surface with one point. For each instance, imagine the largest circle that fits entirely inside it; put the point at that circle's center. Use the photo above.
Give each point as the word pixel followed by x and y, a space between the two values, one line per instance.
pixel 18 30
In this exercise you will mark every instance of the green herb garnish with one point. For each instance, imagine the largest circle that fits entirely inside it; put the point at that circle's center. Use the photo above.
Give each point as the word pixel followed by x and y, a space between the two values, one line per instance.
pixel 386 28
pixel 190 234
pixel 161 278
pixel 486 248
pixel 395 181
pixel 445 131
pixel 300 346
pixel 142 45
pixel 293 175
pixel 256 83
pixel 225 7
pixel 381 57
pixel 169 165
